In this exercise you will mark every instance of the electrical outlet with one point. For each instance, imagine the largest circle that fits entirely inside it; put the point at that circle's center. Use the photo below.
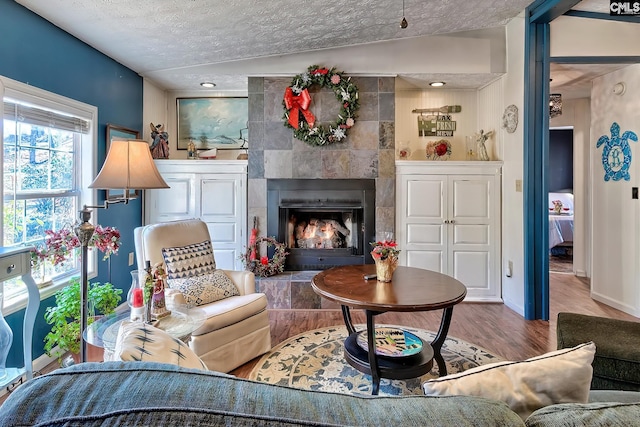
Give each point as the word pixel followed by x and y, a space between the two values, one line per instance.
pixel 509 271
pixel 519 185
pixel 130 258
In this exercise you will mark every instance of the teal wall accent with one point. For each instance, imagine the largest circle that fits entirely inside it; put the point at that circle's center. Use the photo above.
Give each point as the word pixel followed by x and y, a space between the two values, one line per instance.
pixel 38 53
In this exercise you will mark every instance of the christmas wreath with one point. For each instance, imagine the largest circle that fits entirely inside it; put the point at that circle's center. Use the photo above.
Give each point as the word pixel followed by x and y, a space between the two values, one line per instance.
pixel 265 267
pixel 297 100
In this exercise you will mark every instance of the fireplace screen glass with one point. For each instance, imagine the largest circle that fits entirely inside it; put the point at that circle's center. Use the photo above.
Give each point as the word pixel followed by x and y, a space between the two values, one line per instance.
pixel 321 229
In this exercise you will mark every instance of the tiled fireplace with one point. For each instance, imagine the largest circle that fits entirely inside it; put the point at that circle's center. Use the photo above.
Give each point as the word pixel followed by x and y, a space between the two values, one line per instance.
pixel 368 153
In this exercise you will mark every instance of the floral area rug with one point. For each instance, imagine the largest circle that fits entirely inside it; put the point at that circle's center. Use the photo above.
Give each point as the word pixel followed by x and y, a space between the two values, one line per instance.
pixel 315 360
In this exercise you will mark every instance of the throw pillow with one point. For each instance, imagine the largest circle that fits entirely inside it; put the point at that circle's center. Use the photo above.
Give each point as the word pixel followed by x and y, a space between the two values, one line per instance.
pixel 190 260
pixel 204 289
pixel 562 376
pixel 138 341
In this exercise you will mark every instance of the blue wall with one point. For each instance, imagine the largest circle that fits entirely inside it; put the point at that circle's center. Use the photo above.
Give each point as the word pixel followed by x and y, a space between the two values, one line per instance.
pixel 35 52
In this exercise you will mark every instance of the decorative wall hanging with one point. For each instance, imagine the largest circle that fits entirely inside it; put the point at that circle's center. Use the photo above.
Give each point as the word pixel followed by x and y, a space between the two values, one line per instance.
pixel 510 118
pixel 297 101
pixel 438 124
pixel 616 154
pixel 212 122
pixel 555 105
pixel 438 150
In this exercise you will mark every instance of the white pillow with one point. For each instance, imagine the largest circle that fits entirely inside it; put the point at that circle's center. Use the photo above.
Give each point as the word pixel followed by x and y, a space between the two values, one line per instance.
pixel 138 341
pixel 204 289
pixel 562 376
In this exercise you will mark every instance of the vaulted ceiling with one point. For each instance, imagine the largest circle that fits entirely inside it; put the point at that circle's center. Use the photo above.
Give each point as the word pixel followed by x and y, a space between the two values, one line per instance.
pixel 178 44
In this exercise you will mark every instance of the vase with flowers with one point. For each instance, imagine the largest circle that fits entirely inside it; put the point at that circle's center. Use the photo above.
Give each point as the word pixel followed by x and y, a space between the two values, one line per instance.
pixel 385 254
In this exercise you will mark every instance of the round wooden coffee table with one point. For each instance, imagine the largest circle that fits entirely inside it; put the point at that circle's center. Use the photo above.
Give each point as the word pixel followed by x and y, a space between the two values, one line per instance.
pixel 412 289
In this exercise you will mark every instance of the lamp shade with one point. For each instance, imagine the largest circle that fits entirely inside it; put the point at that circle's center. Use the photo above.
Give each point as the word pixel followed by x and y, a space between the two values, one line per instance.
pixel 128 166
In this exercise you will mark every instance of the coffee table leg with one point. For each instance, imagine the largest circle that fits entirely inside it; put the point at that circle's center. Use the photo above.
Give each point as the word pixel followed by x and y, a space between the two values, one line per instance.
pixel 440 338
pixel 373 360
pixel 346 315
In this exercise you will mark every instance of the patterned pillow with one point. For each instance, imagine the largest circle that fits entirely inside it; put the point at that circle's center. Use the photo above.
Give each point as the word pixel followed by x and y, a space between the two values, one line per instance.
pixel 205 288
pixel 138 342
pixel 190 260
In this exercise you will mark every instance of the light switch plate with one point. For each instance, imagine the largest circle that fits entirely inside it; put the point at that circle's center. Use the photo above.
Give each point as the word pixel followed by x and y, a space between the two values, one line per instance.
pixel 519 185
pixel 130 258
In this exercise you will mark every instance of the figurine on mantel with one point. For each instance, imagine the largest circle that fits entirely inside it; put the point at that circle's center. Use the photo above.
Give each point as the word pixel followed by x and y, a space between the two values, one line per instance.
pixel 481 139
pixel 160 144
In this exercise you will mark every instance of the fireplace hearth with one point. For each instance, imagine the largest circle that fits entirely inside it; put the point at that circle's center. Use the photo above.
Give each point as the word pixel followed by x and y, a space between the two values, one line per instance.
pixel 323 223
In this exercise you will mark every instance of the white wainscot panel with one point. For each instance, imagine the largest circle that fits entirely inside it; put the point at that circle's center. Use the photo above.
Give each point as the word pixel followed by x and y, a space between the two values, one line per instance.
pixel 225 258
pixel 429 260
pixel 471 234
pixel 175 201
pixel 425 234
pixel 424 199
pixel 472 268
pixel 222 232
pixel 218 198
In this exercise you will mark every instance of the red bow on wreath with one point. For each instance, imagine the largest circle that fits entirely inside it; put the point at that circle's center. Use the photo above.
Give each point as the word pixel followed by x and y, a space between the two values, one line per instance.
pixel 295 104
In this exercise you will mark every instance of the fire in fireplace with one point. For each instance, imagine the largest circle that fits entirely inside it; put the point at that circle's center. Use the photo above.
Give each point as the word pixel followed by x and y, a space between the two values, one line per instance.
pixel 324 223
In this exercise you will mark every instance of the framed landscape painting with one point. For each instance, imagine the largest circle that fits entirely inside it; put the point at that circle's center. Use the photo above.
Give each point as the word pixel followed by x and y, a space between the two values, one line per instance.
pixel 212 122
pixel 119 132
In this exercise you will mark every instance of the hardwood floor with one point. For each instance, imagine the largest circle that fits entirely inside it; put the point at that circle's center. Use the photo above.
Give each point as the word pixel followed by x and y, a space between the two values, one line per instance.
pixel 494 327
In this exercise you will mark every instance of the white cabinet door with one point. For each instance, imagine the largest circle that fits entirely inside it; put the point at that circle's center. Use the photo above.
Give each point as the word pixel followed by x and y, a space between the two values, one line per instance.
pixel 173 203
pixel 212 190
pixel 448 220
pixel 424 204
pixel 221 206
pixel 471 241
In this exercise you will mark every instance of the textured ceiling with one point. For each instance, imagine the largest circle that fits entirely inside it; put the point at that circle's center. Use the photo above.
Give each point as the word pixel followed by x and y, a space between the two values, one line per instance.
pixel 179 43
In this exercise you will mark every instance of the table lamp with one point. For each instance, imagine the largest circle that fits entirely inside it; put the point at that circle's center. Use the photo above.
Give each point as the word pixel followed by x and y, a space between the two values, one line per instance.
pixel 128 166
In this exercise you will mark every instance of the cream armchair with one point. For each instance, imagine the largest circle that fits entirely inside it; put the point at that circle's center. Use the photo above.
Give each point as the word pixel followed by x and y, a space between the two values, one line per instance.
pixel 236 328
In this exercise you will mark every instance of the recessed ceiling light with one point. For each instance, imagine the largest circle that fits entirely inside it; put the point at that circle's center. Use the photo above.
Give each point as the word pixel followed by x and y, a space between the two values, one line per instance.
pixel 207 84
pixel 437 84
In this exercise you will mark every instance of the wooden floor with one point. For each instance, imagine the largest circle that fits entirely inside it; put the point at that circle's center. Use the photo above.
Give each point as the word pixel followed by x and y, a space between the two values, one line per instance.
pixel 492 326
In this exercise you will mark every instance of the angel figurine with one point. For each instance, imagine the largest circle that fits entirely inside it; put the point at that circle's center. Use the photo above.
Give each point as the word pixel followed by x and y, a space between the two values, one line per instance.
pixel 481 139
pixel 158 304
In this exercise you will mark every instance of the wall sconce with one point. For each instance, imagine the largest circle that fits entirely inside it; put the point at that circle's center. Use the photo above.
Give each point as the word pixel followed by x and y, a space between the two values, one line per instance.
pixel 555 105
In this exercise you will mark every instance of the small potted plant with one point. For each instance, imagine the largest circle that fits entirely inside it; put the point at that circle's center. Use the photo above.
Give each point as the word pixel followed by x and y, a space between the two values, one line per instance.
pixel 65 315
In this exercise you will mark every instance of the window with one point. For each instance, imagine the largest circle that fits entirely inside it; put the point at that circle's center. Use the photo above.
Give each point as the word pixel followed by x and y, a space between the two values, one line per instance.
pixel 47 154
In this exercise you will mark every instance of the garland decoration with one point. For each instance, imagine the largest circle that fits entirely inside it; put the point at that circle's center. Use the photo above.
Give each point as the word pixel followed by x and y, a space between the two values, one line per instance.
pixel 265 267
pixel 297 100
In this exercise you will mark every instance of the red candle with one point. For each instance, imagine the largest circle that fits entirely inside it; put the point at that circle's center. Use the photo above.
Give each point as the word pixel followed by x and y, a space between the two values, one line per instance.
pixel 137 298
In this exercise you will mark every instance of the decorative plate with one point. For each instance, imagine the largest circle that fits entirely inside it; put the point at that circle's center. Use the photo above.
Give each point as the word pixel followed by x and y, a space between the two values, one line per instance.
pixel 392 342
pixel 438 150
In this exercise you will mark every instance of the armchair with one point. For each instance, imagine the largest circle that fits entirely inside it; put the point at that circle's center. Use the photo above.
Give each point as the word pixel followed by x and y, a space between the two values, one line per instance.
pixel 236 328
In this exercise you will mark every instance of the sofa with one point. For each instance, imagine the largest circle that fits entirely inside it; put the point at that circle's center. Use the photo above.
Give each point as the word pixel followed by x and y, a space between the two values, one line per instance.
pixel 155 394
pixel 616 365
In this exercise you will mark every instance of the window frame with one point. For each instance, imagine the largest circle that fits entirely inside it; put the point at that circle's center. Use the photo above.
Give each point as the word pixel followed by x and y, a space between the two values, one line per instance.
pixel 88 165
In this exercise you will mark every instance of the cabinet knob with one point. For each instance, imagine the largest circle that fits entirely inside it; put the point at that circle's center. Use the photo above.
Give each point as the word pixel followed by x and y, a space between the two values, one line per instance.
pixel 446 221
pixel 452 221
pixel 11 268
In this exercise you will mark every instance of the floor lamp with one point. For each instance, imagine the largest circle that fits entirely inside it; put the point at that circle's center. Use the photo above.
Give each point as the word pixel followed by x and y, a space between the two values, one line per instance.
pixel 128 167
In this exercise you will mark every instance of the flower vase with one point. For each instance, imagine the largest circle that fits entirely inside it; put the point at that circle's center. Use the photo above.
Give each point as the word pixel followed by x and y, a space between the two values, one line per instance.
pixel 135 298
pixel 385 268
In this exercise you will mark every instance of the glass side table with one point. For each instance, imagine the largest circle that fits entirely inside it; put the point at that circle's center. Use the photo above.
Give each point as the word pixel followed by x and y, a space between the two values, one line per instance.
pixel 179 324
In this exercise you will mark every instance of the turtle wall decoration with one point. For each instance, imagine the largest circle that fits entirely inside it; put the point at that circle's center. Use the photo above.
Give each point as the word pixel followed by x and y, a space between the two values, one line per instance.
pixel 616 154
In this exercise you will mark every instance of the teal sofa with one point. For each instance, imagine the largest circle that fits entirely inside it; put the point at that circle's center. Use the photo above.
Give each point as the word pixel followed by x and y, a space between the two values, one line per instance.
pixel 152 394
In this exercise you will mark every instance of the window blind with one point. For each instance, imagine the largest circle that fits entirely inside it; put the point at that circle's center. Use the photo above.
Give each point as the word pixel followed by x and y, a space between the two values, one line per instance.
pixel 41 117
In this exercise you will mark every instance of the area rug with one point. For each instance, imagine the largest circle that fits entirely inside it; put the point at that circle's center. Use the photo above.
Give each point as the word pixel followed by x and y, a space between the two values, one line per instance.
pixel 561 263
pixel 314 360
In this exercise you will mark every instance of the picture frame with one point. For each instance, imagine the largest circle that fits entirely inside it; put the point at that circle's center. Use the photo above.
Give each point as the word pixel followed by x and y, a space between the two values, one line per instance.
pixel 219 122
pixel 120 132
